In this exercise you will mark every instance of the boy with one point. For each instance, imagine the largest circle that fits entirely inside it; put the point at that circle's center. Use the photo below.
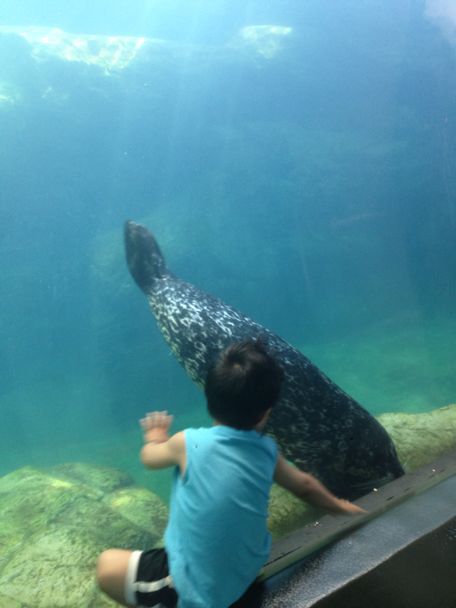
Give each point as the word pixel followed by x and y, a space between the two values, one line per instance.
pixel 217 539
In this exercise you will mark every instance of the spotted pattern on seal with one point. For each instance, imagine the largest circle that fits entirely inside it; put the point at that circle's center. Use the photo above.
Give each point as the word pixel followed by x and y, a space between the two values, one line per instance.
pixel 317 425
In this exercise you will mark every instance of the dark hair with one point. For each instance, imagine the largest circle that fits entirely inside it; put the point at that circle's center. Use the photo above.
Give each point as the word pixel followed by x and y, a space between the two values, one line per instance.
pixel 243 383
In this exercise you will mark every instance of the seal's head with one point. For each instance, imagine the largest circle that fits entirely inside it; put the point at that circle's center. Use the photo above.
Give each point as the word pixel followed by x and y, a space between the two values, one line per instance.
pixel 144 258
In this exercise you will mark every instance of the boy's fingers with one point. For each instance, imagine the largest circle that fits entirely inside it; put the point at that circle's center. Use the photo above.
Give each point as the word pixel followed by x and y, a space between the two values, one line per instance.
pixel 154 419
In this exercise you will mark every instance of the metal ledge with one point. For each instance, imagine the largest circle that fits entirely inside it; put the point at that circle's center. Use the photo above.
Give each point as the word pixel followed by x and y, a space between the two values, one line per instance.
pixel 411 523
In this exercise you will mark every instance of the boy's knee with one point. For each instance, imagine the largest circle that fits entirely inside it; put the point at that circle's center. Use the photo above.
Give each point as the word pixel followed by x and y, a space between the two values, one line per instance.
pixel 111 571
pixel 104 568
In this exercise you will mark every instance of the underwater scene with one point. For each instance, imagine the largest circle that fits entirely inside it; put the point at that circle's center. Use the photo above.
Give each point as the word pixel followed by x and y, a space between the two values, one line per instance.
pixel 296 161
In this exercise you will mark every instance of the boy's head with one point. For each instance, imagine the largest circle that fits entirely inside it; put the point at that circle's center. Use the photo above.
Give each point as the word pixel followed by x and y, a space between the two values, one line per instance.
pixel 243 384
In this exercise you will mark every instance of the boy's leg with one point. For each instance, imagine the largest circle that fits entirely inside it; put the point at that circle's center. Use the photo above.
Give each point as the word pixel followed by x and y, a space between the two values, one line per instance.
pixel 112 568
pixel 135 578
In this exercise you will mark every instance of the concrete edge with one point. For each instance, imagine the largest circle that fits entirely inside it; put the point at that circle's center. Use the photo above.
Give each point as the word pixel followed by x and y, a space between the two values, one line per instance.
pixel 313 537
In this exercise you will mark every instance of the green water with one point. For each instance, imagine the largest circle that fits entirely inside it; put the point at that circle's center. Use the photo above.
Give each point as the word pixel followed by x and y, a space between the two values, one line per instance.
pixel 394 367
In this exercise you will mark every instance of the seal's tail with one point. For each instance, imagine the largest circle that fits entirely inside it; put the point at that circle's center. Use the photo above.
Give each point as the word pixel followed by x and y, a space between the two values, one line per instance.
pixel 144 258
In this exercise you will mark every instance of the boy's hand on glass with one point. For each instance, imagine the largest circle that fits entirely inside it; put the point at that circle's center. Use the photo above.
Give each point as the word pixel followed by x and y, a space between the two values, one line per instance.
pixel 155 426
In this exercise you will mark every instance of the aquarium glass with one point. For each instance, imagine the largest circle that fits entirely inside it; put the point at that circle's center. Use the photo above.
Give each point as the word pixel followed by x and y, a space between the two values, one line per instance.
pixel 296 159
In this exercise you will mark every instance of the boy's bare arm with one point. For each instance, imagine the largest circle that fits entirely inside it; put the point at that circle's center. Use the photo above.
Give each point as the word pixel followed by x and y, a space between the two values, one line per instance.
pixel 308 488
pixel 160 450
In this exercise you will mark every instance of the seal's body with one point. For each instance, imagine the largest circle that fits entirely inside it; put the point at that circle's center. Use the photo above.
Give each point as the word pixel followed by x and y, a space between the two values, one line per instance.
pixel 318 426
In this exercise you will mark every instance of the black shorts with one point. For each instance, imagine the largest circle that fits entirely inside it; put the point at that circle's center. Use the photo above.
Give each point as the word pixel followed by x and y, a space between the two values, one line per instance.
pixel 148 582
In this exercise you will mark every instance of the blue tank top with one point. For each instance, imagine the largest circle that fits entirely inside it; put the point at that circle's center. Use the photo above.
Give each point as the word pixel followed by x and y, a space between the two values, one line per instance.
pixel 217 538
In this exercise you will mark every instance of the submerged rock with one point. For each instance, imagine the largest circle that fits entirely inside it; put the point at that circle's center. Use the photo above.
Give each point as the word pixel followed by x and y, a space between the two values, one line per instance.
pixel 141 507
pixel 9 602
pixel 54 524
pixel 421 438
pixel 102 479
pixel 288 513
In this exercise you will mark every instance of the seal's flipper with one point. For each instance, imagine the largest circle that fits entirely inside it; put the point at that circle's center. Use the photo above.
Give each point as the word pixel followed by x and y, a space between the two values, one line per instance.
pixel 144 258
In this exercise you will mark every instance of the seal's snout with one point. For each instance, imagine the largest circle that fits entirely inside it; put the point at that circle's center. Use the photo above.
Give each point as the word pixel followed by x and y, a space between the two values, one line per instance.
pixel 130 226
pixel 144 258
pixel 134 231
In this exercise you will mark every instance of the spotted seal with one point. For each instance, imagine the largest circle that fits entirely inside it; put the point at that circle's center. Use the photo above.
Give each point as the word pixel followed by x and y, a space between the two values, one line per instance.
pixel 317 425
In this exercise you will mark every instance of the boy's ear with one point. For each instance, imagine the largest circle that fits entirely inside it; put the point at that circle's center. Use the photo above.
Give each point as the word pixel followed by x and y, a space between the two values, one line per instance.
pixel 264 418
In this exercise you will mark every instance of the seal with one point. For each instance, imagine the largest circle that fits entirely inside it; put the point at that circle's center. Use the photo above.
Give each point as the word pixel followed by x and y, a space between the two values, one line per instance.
pixel 317 425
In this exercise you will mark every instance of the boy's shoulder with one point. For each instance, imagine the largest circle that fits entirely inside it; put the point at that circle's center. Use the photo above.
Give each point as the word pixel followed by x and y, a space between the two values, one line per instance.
pixel 223 432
